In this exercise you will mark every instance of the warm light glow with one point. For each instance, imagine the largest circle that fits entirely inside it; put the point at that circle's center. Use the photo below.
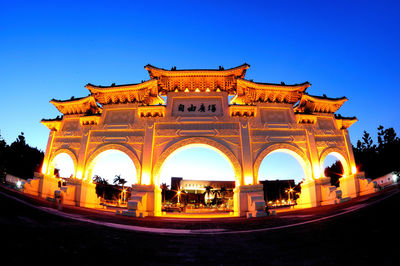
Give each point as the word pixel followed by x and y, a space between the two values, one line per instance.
pixel 197 216
pixel 354 169
pixel 44 167
pixel 64 163
pixel 207 90
pixel 186 90
pixel 335 156
pixel 317 171
pixel 197 90
pixel 248 180
pixel 145 178
pixel 79 174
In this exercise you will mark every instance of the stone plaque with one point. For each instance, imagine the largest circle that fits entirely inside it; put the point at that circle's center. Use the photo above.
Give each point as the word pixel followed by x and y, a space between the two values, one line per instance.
pixel 197 107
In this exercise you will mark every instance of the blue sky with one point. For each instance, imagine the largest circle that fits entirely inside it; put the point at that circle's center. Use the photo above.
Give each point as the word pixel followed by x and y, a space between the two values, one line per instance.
pixel 51 49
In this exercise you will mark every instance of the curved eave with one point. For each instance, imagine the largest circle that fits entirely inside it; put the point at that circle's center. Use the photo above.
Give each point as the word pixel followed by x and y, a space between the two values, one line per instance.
pixel 345 122
pixel 79 105
pixel 249 92
pixel 318 104
pixel 52 124
pixel 117 88
pixel 239 71
pixel 319 99
pixel 269 86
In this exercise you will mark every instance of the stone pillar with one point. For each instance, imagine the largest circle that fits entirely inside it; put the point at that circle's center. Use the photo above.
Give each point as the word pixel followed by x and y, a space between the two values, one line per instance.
pixel 248 177
pixel 311 188
pixel 146 196
pixel 314 158
pixel 147 155
pixel 145 201
pixel 318 192
pixel 81 156
pixel 250 200
pixel 85 194
pixel 45 166
pixel 350 186
pixel 47 185
pixel 349 149
pixel 310 194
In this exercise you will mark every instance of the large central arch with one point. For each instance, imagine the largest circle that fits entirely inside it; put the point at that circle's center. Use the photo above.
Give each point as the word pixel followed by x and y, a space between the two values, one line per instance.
pixel 199 142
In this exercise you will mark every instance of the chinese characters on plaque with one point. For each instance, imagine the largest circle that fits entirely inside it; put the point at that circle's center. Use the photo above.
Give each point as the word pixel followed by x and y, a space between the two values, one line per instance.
pixel 202 108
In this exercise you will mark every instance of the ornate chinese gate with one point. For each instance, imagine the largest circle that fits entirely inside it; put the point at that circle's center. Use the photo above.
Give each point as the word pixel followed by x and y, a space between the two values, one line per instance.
pixel 260 118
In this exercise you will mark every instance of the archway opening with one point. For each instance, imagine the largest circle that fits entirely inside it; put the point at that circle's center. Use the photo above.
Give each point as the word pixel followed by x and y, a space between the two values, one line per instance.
pixel 63 165
pixel 333 168
pixel 114 173
pixel 197 179
pixel 281 172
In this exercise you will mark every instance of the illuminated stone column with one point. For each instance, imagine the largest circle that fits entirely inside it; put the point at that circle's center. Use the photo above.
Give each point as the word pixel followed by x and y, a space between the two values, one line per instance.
pixel 80 169
pixel 85 190
pixel 311 187
pixel 247 161
pixel 147 156
pixel 350 154
pixel 145 199
pixel 350 184
pixel 49 147
pixel 314 158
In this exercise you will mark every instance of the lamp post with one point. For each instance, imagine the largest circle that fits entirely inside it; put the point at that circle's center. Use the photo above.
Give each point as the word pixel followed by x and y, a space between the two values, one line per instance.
pixel 289 191
pixel 179 196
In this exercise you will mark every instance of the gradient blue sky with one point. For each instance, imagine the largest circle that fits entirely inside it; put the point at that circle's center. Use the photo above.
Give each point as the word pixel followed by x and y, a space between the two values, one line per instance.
pixel 51 49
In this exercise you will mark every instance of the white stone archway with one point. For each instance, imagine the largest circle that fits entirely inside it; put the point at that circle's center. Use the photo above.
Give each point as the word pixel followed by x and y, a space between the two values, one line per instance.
pixel 259 119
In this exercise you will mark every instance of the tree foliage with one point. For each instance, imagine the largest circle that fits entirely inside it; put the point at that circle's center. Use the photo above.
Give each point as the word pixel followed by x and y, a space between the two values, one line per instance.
pixel 335 171
pixel 19 158
pixel 381 158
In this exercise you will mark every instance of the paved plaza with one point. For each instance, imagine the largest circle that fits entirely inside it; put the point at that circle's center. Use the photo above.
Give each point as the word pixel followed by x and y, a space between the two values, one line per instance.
pixel 355 232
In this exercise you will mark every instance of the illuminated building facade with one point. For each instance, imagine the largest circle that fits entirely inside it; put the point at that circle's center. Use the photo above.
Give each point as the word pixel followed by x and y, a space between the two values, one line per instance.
pixel 199 186
pixel 259 119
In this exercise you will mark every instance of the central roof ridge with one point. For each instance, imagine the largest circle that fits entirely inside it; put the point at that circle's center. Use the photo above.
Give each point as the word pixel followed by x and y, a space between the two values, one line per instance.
pixel 238 71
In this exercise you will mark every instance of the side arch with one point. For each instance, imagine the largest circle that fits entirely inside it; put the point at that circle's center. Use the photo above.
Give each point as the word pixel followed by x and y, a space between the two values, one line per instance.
pixel 92 159
pixel 194 141
pixel 339 154
pixel 291 149
pixel 59 151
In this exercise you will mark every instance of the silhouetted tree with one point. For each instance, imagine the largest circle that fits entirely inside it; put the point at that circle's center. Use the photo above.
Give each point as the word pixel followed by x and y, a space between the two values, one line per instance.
pixel 119 181
pixel 164 188
pixel 19 158
pixel 334 171
pixel 378 160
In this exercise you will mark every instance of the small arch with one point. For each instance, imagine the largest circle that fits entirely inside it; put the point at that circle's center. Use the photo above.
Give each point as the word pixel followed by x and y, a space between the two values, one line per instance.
pixel 210 143
pixel 91 160
pixel 53 162
pixel 291 149
pixel 339 154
